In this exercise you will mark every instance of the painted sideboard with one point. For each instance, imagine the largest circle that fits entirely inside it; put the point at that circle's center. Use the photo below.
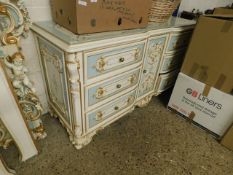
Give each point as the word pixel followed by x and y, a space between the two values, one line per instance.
pixel 95 79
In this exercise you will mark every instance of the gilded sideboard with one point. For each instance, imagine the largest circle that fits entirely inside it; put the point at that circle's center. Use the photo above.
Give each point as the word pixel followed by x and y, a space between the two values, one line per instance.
pixel 93 80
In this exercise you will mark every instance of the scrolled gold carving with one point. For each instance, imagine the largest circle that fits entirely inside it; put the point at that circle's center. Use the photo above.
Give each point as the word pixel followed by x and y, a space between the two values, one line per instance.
pixel 15 24
pixel 19 22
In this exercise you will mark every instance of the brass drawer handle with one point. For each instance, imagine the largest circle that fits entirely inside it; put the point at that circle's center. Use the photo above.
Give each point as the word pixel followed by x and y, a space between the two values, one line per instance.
pixel 132 79
pixel 130 99
pixel 99 93
pixel 121 60
pixel 100 65
pixel 118 86
pixel 99 116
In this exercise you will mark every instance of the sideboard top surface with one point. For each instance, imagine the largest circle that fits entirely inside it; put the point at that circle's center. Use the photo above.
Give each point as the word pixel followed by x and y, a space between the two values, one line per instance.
pixel 73 39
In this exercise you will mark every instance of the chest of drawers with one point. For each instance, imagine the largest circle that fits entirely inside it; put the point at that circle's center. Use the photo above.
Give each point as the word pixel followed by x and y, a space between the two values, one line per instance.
pixel 93 80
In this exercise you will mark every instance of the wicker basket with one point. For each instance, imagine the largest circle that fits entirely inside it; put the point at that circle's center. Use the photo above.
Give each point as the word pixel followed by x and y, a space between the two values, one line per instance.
pixel 162 10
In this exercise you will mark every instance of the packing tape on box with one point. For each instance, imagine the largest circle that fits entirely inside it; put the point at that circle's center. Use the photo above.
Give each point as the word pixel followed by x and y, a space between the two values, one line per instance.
pixel 200 72
pixel 194 69
pixel 203 73
pixel 192 115
pixel 227 26
pixel 82 2
pixel 206 90
pixel 220 82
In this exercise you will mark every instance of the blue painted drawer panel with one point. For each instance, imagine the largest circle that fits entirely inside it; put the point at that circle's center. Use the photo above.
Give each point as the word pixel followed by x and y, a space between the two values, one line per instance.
pixel 178 41
pixel 151 65
pixel 99 116
pixel 116 85
pixel 172 62
pixel 104 61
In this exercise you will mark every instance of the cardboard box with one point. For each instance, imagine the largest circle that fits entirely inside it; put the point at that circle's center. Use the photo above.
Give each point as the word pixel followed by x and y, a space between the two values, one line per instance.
pixel 90 16
pixel 223 11
pixel 209 58
pixel 214 112
pixel 227 140
pixel 203 91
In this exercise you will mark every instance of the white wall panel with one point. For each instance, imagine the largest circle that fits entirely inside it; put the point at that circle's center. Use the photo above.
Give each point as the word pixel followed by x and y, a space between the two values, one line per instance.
pixel 203 5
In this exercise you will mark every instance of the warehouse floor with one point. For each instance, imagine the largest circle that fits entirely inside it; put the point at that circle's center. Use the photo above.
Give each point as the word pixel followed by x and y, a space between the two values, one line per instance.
pixel 150 140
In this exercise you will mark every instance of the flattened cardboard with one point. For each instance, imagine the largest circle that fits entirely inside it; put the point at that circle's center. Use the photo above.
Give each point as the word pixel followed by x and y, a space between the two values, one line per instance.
pixel 85 16
pixel 227 140
pixel 209 58
pixel 223 11
pixel 213 112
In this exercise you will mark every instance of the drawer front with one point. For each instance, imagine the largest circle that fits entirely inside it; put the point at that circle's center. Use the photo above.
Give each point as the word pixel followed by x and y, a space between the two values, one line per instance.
pixel 166 81
pixel 172 62
pixel 178 41
pixel 116 85
pixel 52 59
pixel 98 117
pixel 151 65
pixel 104 61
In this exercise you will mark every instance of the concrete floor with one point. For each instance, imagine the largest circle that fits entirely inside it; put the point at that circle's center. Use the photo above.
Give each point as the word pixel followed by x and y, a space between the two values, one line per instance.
pixel 150 140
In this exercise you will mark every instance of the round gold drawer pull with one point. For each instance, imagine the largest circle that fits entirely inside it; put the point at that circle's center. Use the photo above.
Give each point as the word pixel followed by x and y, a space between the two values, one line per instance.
pixel 100 65
pixel 118 86
pixel 116 108
pixel 100 93
pixel 99 116
pixel 122 60
pixel 130 99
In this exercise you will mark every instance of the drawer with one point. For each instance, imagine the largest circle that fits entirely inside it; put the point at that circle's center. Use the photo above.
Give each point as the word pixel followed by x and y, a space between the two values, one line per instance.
pixel 104 90
pixel 101 115
pixel 166 81
pixel 178 41
pixel 171 62
pixel 100 62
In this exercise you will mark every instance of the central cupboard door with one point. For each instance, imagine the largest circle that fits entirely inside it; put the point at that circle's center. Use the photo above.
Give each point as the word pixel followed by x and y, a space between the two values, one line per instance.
pixel 153 56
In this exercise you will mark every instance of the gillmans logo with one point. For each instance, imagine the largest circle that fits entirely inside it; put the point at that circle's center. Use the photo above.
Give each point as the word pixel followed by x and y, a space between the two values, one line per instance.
pixel 203 98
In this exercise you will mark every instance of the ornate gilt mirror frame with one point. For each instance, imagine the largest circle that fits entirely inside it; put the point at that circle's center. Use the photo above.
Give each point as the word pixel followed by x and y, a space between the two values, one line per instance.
pixel 15 24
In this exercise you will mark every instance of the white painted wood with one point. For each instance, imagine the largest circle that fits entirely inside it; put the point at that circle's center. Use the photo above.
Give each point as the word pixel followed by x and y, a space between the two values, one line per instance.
pixel 4 170
pixel 13 120
pixel 105 50
pixel 189 5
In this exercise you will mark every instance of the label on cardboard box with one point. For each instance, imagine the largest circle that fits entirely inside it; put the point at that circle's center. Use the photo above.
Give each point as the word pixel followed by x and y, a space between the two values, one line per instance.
pixel 82 2
pixel 214 112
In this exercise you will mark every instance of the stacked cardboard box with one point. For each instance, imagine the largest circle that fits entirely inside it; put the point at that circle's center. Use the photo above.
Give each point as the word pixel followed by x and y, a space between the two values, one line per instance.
pixel 203 91
pixel 90 16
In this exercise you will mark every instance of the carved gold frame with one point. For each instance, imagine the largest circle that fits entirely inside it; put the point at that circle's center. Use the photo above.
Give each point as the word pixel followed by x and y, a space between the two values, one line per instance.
pixel 14 24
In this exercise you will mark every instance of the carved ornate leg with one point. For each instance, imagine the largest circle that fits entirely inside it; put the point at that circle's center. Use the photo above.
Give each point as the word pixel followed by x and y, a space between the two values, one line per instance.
pixel 145 101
